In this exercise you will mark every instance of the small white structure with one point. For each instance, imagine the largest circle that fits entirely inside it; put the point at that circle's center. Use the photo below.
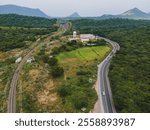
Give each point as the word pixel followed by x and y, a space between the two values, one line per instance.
pixel 83 109
pixel 18 60
pixel 51 56
pixel 29 60
pixel 90 80
pixel 74 34
pixel 91 44
pixel 38 39
pixel 87 37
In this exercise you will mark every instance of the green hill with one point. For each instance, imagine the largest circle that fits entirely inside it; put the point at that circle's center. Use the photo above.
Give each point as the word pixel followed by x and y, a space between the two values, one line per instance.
pixel 26 21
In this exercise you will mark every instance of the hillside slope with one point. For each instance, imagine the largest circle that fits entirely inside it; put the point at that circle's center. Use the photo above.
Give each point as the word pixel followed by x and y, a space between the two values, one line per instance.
pixel 25 21
pixel 14 9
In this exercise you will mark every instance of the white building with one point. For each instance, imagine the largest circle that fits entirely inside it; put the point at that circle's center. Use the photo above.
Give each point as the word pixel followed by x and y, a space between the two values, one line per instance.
pixel 74 34
pixel 29 60
pixel 87 37
pixel 18 60
pixel 51 56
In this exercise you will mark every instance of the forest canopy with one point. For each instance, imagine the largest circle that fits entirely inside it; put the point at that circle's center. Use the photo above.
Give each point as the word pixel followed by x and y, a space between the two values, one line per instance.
pixel 130 68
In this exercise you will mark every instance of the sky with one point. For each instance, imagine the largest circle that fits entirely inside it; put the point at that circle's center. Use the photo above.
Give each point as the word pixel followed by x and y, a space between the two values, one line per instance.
pixel 83 7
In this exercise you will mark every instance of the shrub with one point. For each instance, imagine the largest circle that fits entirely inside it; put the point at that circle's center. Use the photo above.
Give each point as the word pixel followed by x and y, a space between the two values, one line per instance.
pixel 52 61
pixel 57 71
pixel 80 101
pixel 82 72
pixel 45 58
pixel 55 50
pixel 64 91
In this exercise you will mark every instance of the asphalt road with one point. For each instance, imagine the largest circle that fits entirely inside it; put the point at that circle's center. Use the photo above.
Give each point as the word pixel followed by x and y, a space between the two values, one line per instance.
pixel 11 105
pixel 105 95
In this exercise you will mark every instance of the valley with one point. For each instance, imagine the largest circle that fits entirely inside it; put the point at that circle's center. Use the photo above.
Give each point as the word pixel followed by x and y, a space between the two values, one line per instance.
pixel 47 89
pixel 58 71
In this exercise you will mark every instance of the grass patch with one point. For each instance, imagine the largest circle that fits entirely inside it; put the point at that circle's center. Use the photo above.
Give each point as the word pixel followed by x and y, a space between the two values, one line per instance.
pixel 88 53
pixel 80 72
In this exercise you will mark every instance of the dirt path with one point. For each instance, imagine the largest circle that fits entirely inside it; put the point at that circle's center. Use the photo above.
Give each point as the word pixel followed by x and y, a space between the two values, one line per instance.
pixel 97 108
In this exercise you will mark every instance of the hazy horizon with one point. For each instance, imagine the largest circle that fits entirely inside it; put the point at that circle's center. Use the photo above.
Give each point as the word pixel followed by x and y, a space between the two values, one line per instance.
pixel 61 8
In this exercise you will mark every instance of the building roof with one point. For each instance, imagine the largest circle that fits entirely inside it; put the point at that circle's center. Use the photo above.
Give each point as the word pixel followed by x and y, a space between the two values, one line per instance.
pixel 87 36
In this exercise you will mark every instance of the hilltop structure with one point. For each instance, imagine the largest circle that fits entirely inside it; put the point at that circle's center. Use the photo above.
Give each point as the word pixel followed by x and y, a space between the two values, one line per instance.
pixel 87 37
pixel 74 34
pixel 82 37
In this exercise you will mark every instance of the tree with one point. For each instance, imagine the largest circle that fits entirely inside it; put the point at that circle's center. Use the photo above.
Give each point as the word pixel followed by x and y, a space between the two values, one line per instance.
pixel 45 58
pixel 80 101
pixel 29 102
pixel 101 42
pixel 56 71
pixel 64 91
pixel 55 50
pixel 52 61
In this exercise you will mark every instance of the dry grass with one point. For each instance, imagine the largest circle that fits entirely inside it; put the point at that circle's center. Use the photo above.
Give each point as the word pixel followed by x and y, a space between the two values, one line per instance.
pixel 34 73
pixel 10 54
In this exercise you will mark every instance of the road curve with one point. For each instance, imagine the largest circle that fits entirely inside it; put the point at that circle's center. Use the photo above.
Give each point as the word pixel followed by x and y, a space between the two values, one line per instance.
pixel 11 105
pixel 11 108
pixel 105 95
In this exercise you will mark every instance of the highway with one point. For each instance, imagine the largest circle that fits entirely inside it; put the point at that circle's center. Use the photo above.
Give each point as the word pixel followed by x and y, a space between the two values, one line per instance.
pixel 105 95
pixel 11 104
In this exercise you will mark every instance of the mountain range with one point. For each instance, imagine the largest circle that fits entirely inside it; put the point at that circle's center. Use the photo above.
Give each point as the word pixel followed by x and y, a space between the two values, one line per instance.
pixel 134 13
pixel 14 9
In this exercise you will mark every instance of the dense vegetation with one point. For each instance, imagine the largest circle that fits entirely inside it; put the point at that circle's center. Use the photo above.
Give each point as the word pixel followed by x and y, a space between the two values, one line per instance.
pixel 26 21
pixel 105 27
pixel 6 72
pixel 17 35
pixel 130 68
pixel 13 37
pixel 17 31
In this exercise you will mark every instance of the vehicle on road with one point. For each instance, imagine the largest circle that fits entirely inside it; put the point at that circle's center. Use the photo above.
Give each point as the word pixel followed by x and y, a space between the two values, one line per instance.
pixel 103 93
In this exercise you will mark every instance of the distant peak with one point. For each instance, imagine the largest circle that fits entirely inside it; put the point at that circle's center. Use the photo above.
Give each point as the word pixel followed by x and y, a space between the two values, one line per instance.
pixel 135 9
pixel 75 15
